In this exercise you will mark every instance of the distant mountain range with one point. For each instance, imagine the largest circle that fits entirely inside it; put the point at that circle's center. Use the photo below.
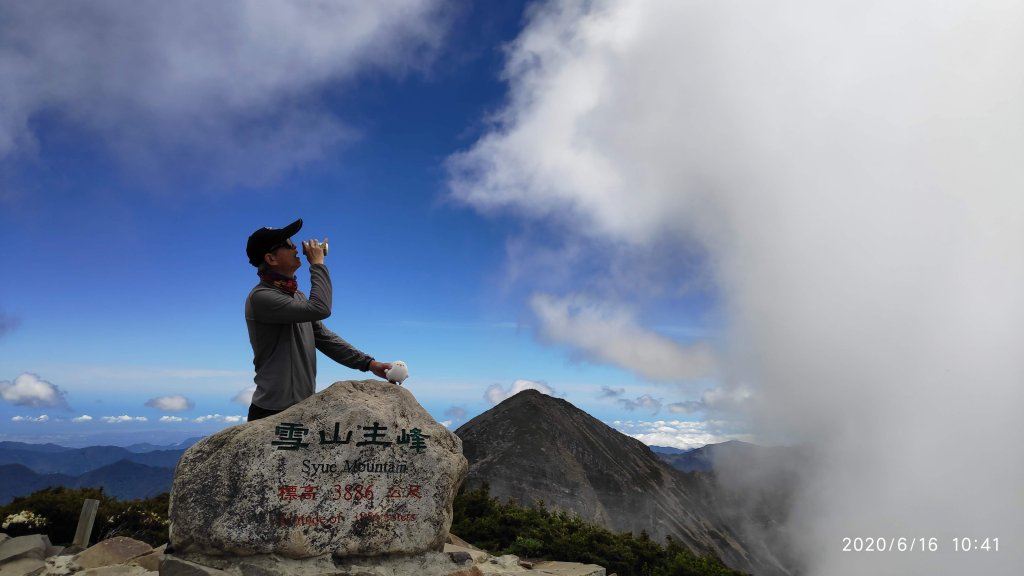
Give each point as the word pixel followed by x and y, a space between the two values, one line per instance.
pixel 125 473
pixel 534 448
pixel 75 461
pixel 730 499
pixel 147 447
pixel 726 455
pixel 667 450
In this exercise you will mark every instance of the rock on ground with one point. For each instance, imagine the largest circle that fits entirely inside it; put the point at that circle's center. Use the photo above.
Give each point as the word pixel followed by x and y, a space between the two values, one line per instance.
pixel 358 469
pixel 34 556
pixel 33 546
pixel 568 569
pixel 461 559
pixel 22 567
pixel 116 550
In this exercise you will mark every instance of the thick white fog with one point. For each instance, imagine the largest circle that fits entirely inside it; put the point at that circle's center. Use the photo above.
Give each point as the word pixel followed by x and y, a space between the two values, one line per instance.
pixel 853 171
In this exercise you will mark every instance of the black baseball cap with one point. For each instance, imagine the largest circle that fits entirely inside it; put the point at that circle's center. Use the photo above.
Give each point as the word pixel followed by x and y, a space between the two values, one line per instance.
pixel 262 240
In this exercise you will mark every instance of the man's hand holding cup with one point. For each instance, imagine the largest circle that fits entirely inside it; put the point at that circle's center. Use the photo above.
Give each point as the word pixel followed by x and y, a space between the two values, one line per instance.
pixel 314 250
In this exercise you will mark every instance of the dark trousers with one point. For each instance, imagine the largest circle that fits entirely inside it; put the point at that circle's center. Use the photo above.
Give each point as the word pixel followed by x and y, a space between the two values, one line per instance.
pixel 255 412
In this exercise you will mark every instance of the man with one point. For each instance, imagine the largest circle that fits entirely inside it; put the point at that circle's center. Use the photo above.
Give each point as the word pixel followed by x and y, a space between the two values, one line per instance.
pixel 285 327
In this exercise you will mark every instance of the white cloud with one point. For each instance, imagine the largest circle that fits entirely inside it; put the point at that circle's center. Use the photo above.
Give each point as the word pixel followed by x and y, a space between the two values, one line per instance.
pixel 560 152
pixel 244 396
pixel 728 400
pixel 611 334
pixel 82 418
pixel 124 418
pixel 30 390
pixel 456 412
pixel 225 88
pixel 219 418
pixel 171 419
pixel 607 392
pixel 446 423
pixel 850 173
pixel 736 400
pixel 688 407
pixel 496 393
pixel 42 418
pixel 681 434
pixel 645 402
pixel 176 403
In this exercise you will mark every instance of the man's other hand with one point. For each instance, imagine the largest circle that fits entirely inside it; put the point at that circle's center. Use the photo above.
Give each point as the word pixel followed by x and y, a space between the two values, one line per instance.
pixel 379 368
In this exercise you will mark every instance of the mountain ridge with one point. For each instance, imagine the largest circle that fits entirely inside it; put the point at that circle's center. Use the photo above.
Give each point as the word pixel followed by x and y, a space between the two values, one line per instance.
pixel 124 480
pixel 532 447
pixel 46 459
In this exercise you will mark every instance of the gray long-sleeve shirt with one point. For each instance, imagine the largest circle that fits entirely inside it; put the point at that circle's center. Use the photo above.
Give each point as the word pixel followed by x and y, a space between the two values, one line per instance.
pixel 285 331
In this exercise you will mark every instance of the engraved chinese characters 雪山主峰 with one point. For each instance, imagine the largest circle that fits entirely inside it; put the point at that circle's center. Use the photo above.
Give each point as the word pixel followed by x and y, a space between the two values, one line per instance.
pixel 320 474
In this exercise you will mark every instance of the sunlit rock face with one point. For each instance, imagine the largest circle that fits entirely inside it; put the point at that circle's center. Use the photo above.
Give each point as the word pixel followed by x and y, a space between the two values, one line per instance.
pixel 358 469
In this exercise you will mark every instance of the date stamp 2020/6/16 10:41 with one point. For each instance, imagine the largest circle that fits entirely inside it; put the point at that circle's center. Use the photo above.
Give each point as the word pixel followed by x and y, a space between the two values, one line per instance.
pixel 919 544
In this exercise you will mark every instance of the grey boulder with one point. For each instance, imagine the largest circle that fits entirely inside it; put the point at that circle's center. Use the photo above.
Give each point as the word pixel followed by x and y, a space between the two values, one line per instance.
pixel 358 469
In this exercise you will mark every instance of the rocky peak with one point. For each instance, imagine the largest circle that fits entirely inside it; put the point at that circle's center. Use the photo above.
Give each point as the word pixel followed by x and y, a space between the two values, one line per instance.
pixel 535 448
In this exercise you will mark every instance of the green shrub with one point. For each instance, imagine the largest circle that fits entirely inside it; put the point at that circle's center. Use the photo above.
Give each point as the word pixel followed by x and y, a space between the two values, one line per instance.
pixel 61 507
pixel 506 528
pixel 144 520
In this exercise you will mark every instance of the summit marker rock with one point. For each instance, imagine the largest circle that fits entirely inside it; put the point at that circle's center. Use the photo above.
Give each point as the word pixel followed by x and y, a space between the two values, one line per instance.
pixel 358 469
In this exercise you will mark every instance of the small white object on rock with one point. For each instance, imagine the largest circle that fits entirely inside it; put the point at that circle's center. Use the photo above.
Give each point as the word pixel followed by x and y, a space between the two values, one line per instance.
pixel 397 373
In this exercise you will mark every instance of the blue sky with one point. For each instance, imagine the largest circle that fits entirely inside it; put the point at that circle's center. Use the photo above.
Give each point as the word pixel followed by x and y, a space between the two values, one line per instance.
pixel 129 209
